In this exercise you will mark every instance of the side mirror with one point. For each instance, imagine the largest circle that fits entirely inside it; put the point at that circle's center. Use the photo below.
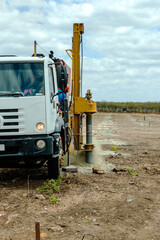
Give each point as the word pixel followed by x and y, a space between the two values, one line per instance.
pixel 62 77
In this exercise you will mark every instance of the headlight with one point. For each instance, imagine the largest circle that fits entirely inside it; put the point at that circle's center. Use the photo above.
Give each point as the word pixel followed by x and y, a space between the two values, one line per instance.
pixel 41 144
pixel 40 126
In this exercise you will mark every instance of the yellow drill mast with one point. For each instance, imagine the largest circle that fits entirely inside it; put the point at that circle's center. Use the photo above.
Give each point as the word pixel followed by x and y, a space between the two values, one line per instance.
pixel 80 105
pixel 78 29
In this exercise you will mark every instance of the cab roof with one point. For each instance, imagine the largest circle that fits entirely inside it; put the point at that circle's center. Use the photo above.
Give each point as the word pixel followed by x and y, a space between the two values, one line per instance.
pixel 13 58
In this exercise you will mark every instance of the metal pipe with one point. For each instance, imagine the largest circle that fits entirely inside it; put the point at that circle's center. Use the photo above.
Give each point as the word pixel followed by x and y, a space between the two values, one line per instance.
pixel 89 137
pixel 68 159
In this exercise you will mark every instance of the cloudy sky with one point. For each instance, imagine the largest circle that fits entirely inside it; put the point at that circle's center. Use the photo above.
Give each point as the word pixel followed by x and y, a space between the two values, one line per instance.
pixel 121 41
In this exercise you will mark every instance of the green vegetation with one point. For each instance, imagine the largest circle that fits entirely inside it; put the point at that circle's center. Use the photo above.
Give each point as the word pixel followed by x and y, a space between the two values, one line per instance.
pixel 131 171
pixel 146 107
pixel 85 221
pixel 50 187
pixel 54 200
pixel 114 148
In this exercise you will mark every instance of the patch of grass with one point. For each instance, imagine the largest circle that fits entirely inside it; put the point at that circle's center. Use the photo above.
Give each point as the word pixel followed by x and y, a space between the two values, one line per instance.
pixel 131 171
pixel 51 186
pixel 159 155
pixel 54 200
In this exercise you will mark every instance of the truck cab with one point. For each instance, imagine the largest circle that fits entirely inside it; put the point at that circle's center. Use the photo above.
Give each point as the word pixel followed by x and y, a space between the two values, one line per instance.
pixel 30 126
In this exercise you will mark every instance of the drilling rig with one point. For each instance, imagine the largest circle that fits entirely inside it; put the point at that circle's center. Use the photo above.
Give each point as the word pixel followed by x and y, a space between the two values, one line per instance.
pixel 80 105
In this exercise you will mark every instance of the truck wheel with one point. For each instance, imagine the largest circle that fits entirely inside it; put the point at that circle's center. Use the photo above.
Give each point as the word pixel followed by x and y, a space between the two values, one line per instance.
pixel 53 168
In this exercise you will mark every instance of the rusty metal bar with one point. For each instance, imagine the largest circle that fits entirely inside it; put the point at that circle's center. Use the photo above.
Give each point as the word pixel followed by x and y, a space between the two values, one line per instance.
pixel 37 228
pixel 35 48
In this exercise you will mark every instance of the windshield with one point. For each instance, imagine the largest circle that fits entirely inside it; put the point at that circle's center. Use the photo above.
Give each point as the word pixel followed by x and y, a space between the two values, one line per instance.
pixel 21 79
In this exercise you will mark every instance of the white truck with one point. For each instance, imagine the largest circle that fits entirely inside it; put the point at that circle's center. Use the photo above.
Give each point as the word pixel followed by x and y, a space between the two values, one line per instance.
pixel 31 131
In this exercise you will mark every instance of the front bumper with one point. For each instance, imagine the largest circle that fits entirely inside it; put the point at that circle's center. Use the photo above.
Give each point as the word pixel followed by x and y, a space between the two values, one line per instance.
pixel 25 146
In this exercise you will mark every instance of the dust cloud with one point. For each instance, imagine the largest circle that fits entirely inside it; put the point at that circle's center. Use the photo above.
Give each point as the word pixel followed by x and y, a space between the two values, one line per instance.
pixel 78 159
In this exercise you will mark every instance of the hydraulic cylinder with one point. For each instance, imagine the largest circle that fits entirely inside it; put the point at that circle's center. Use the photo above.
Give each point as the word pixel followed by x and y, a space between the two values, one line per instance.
pixel 89 138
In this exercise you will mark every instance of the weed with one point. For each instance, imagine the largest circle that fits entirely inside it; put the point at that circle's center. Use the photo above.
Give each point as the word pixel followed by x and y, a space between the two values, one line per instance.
pixel 114 148
pixel 50 186
pixel 54 200
pixel 131 171
pixel 85 221
pixel 159 155
pixel 106 195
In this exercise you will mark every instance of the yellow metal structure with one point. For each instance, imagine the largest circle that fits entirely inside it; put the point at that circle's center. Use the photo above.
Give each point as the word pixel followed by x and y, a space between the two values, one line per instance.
pixel 80 105
pixel 84 106
pixel 35 48
pixel 78 29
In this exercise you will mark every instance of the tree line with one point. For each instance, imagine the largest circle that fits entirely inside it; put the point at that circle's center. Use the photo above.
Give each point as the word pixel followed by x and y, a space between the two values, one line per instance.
pixel 147 107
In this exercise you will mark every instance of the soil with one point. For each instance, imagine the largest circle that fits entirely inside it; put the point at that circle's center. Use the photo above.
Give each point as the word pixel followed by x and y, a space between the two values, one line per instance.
pixel 123 203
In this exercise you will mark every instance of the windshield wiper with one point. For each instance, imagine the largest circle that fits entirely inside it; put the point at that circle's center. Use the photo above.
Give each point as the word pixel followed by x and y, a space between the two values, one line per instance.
pixel 15 94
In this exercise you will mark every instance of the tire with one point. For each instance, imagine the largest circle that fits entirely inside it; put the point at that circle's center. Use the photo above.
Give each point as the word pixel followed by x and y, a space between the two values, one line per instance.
pixel 53 168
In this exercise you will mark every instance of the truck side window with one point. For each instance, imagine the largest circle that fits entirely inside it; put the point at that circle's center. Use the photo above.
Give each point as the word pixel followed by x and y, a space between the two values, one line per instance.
pixel 51 81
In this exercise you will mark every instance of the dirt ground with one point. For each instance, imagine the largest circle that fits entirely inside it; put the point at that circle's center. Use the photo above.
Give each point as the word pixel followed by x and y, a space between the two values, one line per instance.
pixel 123 203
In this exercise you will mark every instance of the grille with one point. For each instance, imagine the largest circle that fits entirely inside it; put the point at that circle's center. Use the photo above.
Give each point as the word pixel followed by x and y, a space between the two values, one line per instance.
pixel 11 121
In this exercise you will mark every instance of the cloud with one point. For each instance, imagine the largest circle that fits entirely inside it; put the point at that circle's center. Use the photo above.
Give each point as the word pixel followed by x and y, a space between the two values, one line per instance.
pixel 121 41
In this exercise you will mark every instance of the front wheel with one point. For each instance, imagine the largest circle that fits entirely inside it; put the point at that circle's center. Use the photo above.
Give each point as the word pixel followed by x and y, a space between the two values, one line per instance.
pixel 53 168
